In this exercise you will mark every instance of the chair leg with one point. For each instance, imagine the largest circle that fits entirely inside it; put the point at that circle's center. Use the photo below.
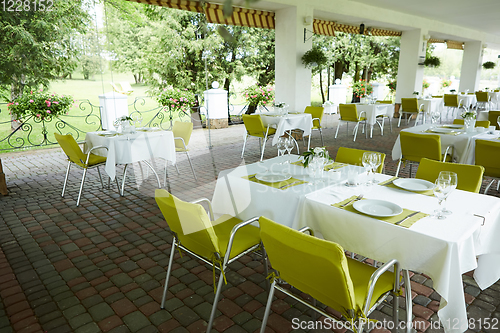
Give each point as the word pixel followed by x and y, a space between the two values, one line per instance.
pixel 399 166
pixel 81 187
pixel 100 177
pixel 408 297
pixel 337 132
pixel 390 123
pixel 177 168
pixel 216 300
pixel 123 180
pixel 321 135
pixel 191 164
pixel 169 270
pixel 66 178
pixel 244 144
pixel 268 308
pixel 263 147
pixel 356 131
pixel 399 122
pixel 488 187
pixel 165 175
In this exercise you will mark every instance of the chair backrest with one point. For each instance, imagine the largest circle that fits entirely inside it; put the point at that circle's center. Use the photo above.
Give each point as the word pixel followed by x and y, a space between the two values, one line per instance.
pixel 451 100
pixel 437 96
pixel 254 125
pixel 71 149
pixel 415 146
pixel 315 112
pixel 126 86
pixel 482 96
pixel 383 102
pixel 315 266
pixel 488 155
pixel 355 157
pixel 479 123
pixel 493 118
pixel 182 129
pixel 409 105
pixel 348 112
pixel 190 222
pixel 470 177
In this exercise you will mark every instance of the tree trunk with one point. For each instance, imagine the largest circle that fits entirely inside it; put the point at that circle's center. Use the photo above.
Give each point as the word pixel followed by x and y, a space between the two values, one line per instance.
pixel 227 84
pixel 328 84
pixel 355 99
pixel 338 70
pixel 16 90
pixel 321 85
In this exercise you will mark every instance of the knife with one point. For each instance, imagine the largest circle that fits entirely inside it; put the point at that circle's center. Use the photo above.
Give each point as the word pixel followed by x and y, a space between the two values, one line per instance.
pixel 406 218
pixel 287 185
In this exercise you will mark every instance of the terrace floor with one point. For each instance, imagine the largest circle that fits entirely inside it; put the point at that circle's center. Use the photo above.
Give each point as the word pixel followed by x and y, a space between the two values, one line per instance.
pixel 100 267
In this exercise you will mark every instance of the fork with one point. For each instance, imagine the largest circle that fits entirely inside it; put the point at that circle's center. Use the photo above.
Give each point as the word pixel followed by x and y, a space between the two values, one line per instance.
pixel 359 197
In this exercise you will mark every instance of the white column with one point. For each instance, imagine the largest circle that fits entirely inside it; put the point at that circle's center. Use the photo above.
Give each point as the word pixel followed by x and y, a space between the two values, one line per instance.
pixel 471 66
pixel 410 73
pixel 293 80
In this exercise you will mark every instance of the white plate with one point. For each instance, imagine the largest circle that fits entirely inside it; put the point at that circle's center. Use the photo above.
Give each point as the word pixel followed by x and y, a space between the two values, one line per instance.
pixel 453 126
pixel 443 130
pixel 411 184
pixel 379 208
pixel 273 177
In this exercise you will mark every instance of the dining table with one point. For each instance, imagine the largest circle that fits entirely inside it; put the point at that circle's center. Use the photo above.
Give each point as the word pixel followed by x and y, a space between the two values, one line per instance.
pixel 451 135
pixel 285 123
pixel 468 100
pixel 374 110
pixel 442 249
pixel 141 145
pixel 431 105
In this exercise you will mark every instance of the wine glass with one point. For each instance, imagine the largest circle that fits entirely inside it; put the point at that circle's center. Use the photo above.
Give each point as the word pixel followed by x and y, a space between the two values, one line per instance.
pixel 453 178
pixel 366 160
pixel 435 117
pixel 375 161
pixel 441 190
pixel 281 147
pixel 137 119
pixel 116 124
pixel 289 144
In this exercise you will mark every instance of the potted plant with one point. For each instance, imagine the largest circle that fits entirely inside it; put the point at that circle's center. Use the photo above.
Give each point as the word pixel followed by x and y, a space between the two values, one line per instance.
pixel 40 105
pixel 361 89
pixel 432 61
pixel 489 65
pixel 256 95
pixel 469 117
pixel 329 107
pixel 445 83
pixel 311 154
pixel 425 85
pixel 314 57
pixel 175 99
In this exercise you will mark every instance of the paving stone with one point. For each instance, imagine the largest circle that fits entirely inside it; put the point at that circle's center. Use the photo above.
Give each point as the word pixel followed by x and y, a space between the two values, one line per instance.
pixel 101 311
pixel 136 321
pixel 79 321
pixel 185 316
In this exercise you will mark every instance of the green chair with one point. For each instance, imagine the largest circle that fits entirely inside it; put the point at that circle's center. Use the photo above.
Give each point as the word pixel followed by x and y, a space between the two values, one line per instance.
pixel 355 156
pixel 415 146
pixel 483 100
pixel 410 107
pixel 479 123
pixel 384 116
pixel 255 127
pixel 316 113
pixel 217 243
pixel 77 157
pixel 319 268
pixel 451 102
pixel 487 154
pixel 493 118
pixel 182 131
pixel 470 177
pixel 349 114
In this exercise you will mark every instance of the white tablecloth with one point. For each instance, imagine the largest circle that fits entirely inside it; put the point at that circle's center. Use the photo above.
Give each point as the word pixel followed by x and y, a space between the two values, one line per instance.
pixel 442 249
pixel 374 110
pixel 467 100
pixel 461 142
pixel 471 149
pixel 289 122
pixel 130 148
pixel 431 104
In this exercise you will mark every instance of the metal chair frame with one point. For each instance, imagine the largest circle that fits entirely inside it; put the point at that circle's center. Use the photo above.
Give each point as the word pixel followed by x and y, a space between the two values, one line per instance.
pixel 355 129
pixel 371 286
pixel 262 146
pixel 420 112
pixel 225 264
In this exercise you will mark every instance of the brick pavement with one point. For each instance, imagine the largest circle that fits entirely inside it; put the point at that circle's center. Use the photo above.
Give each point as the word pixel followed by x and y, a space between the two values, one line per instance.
pixel 100 267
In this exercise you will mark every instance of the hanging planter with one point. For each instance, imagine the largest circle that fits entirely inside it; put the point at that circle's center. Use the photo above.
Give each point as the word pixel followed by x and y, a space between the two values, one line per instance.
pixel 314 57
pixel 489 65
pixel 432 61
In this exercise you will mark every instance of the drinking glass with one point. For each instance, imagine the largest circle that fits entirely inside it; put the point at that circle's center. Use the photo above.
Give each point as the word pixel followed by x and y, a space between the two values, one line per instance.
pixel 289 144
pixel 453 178
pixel 367 164
pixel 116 124
pixel 137 119
pixel 435 117
pixel 441 190
pixel 375 161
pixel 281 147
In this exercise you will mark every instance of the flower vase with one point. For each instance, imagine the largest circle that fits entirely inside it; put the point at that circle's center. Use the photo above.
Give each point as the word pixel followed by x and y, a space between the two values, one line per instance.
pixel 469 124
pixel 363 100
pixel 127 128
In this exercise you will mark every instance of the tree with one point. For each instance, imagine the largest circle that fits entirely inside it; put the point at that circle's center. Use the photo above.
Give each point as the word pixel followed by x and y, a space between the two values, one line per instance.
pixel 36 45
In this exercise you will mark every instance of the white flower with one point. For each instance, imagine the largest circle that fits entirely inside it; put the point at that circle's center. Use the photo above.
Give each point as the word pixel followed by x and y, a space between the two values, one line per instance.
pixel 318 151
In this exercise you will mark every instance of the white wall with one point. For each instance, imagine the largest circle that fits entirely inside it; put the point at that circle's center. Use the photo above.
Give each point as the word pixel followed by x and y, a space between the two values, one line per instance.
pixel 410 74
pixel 471 66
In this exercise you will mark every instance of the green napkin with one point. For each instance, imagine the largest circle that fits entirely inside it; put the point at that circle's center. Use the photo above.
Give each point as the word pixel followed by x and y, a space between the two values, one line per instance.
pixel 331 166
pixel 389 183
pixel 279 185
pixel 450 133
pixel 392 219
pixel 109 135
